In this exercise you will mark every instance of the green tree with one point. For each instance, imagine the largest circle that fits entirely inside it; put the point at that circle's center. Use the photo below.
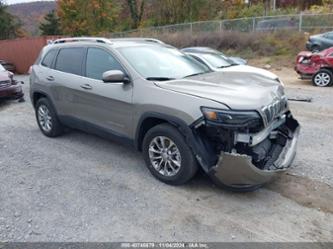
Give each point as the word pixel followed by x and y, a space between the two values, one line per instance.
pixel 177 11
pixel 50 25
pixel 136 11
pixel 84 17
pixel 10 27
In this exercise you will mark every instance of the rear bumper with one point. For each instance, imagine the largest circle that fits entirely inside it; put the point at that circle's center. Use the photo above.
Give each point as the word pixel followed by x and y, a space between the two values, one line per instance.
pixel 307 70
pixel 239 171
pixel 11 92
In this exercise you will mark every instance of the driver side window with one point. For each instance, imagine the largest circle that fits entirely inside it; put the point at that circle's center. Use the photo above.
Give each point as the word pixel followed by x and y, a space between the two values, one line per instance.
pixel 100 61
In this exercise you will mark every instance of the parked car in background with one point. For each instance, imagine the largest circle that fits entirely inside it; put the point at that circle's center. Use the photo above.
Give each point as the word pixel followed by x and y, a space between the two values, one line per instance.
pixel 8 66
pixel 276 24
pixel 316 66
pixel 218 63
pixel 234 60
pixel 236 126
pixel 317 43
pixel 10 89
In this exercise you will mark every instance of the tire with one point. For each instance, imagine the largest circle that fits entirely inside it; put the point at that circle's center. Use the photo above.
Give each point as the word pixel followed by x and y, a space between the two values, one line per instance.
pixel 186 164
pixel 45 111
pixel 323 78
pixel 315 49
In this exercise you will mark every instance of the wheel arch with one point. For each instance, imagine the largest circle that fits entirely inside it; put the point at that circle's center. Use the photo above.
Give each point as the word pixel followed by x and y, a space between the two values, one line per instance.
pixel 38 95
pixel 326 67
pixel 151 119
pixel 147 121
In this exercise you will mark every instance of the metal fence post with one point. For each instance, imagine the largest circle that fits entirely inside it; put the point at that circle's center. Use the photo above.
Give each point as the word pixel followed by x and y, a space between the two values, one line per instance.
pixel 191 28
pixel 221 26
pixel 253 24
pixel 300 22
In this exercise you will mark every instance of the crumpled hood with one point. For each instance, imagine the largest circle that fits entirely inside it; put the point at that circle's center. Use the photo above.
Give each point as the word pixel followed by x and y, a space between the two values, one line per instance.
pixel 250 69
pixel 237 90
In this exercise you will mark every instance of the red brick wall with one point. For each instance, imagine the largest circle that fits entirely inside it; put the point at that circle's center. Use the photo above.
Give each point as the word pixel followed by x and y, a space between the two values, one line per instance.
pixel 23 52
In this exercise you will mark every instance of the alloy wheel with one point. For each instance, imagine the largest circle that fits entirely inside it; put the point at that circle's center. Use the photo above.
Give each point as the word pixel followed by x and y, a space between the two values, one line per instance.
pixel 44 118
pixel 322 79
pixel 164 156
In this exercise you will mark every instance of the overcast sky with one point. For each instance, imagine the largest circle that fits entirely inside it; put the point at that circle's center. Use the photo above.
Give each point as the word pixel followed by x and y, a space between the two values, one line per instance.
pixel 22 1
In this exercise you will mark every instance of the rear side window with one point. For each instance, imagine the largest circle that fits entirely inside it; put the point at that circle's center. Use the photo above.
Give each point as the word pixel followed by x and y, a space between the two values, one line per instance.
pixel 49 57
pixel 70 60
pixel 100 61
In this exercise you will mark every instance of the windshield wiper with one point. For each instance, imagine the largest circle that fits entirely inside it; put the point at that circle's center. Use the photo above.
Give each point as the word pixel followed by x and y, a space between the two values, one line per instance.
pixel 195 74
pixel 230 65
pixel 160 78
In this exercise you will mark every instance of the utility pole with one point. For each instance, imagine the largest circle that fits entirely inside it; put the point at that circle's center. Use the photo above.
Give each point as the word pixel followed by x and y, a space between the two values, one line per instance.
pixel 274 5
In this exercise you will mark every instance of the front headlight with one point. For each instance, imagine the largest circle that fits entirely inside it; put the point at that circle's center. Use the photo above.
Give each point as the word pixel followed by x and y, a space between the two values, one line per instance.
pixel 232 119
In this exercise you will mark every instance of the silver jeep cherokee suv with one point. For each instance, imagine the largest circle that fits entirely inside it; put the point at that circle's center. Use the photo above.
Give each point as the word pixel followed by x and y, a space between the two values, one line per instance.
pixel 235 125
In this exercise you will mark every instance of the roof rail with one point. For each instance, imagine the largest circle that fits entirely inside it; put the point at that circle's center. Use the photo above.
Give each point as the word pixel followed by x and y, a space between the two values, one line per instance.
pixel 81 39
pixel 138 39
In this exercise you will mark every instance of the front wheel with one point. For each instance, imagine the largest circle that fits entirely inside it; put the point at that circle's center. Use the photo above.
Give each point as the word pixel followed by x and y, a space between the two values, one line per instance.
pixel 323 78
pixel 167 155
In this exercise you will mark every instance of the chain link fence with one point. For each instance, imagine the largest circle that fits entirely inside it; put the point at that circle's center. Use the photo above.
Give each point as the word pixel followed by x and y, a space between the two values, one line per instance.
pixel 301 23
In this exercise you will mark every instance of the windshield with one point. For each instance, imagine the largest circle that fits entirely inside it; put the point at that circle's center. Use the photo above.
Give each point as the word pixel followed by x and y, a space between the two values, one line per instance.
pixel 161 63
pixel 2 68
pixel 216 60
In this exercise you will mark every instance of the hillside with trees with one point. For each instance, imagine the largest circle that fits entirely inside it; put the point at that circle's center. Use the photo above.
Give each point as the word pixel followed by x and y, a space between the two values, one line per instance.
pixel 31 14
pixel 10 26
pixel 98 17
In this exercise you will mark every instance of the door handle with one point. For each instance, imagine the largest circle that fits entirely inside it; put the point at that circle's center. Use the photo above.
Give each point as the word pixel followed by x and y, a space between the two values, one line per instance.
pixel 50 78
pixel 86 87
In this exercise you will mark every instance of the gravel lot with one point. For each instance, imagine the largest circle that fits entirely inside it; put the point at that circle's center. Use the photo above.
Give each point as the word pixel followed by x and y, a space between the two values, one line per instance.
pixel 81 187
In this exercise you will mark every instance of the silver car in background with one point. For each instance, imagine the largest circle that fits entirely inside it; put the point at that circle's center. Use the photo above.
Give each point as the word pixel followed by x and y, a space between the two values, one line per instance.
pixel 215 62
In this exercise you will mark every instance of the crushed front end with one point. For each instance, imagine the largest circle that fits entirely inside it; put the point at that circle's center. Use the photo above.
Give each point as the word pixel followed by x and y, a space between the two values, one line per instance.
pixel 249 147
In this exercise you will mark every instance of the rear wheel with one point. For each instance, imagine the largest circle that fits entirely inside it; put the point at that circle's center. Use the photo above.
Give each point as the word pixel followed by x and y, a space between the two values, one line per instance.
pixel 315 49
pixel 47 119
pixel 167 155
pixel 323 78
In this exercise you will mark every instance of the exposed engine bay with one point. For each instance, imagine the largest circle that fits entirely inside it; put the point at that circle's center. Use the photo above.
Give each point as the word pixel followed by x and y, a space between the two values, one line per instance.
pixel 252 151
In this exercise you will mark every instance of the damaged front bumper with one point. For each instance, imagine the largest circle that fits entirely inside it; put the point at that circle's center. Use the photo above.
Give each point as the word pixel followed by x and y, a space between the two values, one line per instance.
pixel 253 159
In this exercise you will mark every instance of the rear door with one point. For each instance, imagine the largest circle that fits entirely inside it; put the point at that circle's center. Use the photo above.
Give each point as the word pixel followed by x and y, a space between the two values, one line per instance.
pixel 107 105
pixel 67 80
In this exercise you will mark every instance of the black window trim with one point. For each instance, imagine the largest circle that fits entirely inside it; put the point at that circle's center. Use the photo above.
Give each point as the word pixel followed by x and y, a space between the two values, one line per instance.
pixel 82 63
pixel 54 58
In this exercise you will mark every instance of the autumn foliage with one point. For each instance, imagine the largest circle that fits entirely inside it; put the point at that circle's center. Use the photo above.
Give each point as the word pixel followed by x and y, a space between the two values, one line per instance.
pixel 87 17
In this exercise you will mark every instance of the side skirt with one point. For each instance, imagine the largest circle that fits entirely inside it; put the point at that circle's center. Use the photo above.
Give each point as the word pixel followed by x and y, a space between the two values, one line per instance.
pixel 90 128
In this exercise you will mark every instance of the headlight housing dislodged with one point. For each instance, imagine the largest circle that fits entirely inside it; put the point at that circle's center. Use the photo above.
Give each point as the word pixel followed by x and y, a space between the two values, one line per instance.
pixel 232 119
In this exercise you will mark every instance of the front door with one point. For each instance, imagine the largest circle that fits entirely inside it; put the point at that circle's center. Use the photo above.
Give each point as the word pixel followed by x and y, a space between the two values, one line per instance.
pixel 106 105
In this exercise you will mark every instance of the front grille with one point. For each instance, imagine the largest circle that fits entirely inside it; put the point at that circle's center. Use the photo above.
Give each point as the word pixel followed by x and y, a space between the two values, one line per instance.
pixel 274 110
pixel 4 83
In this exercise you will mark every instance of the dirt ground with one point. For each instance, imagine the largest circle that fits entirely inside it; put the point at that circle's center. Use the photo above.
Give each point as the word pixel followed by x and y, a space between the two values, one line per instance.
pixel 81 187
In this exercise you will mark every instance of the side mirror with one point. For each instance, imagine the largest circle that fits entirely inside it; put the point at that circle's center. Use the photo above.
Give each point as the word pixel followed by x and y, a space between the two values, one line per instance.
pixel 115 76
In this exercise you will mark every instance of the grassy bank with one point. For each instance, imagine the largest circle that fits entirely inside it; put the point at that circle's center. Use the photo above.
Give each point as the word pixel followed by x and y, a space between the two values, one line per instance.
pixel 277 47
